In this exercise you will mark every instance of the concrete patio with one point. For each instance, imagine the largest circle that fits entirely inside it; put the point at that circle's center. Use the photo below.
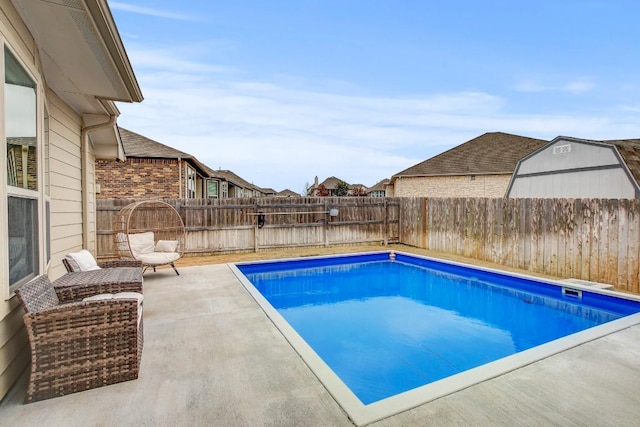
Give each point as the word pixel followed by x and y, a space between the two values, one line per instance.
pixel 212 357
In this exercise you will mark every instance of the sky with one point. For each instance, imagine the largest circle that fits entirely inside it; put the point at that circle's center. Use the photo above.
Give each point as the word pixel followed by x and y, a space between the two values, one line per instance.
pixel 282 91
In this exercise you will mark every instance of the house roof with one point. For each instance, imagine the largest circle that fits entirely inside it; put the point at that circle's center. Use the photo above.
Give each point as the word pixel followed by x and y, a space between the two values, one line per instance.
pixel 629 150
pixel 330 183
pixel 139 146
pixel 287 193
pixel 229 176
pixel 379 186
pixel 491 153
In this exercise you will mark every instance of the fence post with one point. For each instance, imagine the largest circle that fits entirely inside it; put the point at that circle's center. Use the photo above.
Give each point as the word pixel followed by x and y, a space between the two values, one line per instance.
pixel 255 228
pixel 326 224
pixel 386 221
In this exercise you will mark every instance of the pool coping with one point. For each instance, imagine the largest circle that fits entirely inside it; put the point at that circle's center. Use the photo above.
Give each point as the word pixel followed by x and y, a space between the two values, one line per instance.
pixel 362 414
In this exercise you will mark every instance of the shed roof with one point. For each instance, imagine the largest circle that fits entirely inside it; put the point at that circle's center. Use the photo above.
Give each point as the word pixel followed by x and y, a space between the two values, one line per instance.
pixel 629 150
pixel 490 153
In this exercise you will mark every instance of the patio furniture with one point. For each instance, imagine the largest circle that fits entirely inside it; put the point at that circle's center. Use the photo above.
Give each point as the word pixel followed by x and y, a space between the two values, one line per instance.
pixel 150 231
pixel 80 345
pixel 77 285
pixel 84 261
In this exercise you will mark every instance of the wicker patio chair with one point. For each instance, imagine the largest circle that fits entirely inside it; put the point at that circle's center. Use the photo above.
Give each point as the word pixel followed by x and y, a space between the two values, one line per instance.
pixel 81 345
pixel 150 231
pixel 77 285
pixel 71 264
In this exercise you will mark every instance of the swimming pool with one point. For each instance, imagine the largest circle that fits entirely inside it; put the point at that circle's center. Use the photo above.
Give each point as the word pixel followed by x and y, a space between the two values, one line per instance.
pixel 388 331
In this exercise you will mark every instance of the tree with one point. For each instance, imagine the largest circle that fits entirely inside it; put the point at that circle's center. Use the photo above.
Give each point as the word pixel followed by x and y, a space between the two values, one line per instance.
pixel 322 191
pixel 358 191
pixel 342 189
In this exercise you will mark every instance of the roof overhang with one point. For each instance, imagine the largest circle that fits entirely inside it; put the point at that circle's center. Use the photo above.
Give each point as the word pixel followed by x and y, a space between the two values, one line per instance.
pixel 84 62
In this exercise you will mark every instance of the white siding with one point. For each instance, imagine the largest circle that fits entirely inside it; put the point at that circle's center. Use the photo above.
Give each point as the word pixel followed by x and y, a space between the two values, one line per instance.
pixel 14 347
pixel 66 182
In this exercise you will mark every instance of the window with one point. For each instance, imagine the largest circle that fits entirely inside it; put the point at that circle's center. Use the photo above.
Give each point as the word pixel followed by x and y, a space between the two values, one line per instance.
pixel 212 189
pixel 23 190
pixel 224 190
pixel 191 182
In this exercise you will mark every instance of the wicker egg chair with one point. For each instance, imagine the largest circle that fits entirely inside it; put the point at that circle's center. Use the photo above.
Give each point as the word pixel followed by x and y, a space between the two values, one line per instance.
pixel 150 231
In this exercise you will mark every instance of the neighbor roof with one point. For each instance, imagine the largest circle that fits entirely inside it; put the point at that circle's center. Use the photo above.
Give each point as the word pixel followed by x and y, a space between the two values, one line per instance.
pixel 491 153
pixel 136 145
pixel 379 186
pixel 229 176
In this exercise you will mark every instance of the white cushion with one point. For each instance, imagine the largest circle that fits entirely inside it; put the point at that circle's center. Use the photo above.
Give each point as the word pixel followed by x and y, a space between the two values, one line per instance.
pixel 120 295
pixel 83 260
pixel 141 243
pixel 166 246
pixel 98 297
pixel 158 258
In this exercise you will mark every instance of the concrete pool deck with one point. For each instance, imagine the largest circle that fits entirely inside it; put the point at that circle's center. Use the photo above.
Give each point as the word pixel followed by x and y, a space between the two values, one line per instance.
pixel 212 357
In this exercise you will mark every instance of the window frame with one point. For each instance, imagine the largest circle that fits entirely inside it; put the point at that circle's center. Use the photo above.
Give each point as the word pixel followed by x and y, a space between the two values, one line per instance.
pixel 41 194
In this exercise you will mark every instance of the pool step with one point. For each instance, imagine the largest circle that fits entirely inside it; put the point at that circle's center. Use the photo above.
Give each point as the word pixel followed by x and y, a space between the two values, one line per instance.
pixel 596 285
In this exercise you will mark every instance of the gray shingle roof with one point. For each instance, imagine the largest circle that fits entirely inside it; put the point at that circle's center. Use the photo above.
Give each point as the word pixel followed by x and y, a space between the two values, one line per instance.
pixel 136 145
pixel 491 153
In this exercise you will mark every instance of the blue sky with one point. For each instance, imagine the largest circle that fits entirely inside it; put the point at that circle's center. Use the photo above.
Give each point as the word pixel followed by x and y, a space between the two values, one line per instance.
pixel 282 91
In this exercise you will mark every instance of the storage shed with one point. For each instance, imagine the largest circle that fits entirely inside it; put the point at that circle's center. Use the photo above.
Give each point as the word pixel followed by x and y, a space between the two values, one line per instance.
pixel 579 168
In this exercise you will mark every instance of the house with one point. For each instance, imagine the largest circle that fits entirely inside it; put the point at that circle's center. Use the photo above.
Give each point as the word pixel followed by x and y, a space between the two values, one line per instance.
pixel 328 187
pixel 150 169
pixel 268 192
pixel 578 168
pixel 287 193
pixel 379 189
pixel 481 167
pixel 64 62
pixel 226 184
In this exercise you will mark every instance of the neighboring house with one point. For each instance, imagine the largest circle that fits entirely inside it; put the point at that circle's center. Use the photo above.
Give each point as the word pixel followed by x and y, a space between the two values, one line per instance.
pixel 330 184
pixel 379 189
pixel 287 193
pixel 268 192
pixel 578 168
pixel 151 169
pixel 226 184
pixel 64 61
pixel 481 167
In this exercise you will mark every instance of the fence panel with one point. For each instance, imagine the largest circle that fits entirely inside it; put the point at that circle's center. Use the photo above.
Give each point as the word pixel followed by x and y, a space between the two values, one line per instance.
pixel 596 240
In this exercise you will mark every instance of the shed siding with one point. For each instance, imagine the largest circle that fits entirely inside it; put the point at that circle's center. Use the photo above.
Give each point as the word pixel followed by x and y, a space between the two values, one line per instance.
pixel 573 169
pixel 596 184
pixel 580 155
pixel 451 186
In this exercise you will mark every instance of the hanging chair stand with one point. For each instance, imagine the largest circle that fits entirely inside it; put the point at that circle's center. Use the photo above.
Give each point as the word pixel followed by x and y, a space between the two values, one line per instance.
pixel 150 231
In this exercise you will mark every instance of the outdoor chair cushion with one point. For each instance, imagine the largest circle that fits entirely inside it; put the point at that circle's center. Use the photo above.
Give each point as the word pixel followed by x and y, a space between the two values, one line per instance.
pixel 141 243
pixel 166 246
pixel 158 258
pixel 120 295
pixel 82 261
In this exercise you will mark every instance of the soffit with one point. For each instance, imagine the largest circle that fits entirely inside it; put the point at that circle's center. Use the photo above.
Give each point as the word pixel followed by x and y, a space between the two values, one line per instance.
pixel 81 52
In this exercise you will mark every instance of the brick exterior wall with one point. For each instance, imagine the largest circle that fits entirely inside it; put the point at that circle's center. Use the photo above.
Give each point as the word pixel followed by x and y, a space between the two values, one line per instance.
pixel 452 186
pixel 138 178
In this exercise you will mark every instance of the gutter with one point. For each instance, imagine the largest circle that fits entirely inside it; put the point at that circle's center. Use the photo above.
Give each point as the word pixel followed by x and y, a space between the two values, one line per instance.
pixel 84 157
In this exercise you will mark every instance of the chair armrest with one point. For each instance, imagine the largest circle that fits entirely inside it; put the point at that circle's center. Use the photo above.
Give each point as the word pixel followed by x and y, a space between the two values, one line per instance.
pixel 120 263
pixel 79 319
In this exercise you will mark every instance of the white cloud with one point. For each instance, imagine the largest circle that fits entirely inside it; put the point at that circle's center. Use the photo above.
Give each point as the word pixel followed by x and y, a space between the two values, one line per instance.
pixel 281 136
pixel 581 85
pixel 126 7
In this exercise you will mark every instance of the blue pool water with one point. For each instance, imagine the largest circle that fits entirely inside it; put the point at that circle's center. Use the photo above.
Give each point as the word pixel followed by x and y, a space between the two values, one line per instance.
pixel 388 326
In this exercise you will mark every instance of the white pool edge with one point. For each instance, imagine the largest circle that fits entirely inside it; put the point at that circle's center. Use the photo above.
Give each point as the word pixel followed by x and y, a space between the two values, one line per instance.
pixel 362 414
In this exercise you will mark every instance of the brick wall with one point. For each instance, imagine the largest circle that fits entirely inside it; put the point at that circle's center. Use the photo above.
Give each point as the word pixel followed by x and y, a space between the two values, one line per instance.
pixel 452 186
pixel 138 178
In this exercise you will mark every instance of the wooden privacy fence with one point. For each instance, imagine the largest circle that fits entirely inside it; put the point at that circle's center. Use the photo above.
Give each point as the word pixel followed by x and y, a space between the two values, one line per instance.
pixel 595 240
pixel 228 225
